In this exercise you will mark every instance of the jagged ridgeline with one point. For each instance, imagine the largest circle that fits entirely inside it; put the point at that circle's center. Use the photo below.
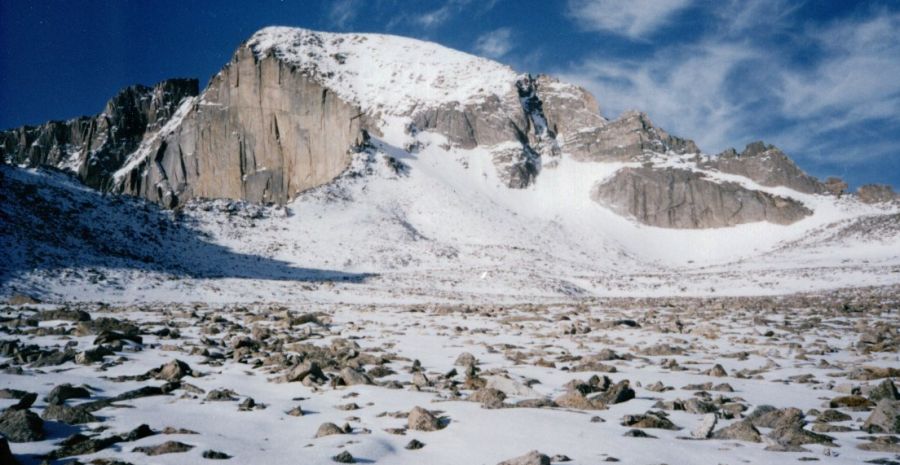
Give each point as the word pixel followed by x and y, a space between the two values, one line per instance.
pixel 293 107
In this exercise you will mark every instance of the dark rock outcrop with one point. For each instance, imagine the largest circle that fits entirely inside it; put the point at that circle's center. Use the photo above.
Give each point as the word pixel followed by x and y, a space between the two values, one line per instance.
pixel 675 198
pixel 94 147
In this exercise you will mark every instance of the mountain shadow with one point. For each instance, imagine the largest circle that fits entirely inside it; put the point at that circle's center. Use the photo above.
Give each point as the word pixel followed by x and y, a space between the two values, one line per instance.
pixel 51 222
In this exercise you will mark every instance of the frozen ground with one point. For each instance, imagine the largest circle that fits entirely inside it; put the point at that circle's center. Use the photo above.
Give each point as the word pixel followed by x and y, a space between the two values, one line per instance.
pixel 378 362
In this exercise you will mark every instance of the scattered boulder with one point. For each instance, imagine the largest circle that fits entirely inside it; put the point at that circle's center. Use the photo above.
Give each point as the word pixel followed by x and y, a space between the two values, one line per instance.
pixel 739 431
pixel 344 457
pixel 414 444
pixel 465 359
pixel 329 429
pixel 652 419
pixel 489 398
pixel 210 454
pixel 851 402
pixel 717 371
pixel 420 419
pixel 63 392
pixel 352 377
pixel 884 390
pixel 885 418
pixel 789 431
pixel 704 429
pixel 21 425
pixel 168 447
pixel 532 458
pixel 69 415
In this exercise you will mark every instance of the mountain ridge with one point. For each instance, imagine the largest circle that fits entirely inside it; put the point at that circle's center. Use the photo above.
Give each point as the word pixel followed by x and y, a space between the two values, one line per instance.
pixel 291 108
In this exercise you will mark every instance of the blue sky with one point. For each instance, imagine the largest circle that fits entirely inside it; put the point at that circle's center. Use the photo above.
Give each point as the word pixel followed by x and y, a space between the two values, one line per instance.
pixel 820 78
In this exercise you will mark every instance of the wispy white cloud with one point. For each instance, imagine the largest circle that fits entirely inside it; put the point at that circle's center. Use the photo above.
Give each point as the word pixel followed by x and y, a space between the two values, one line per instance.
pixel 343 12
pixel 735 83
pixel 495 44
pixel 631 18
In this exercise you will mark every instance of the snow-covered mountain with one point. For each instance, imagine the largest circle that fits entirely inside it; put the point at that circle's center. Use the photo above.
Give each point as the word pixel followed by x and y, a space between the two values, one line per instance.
pixel 391 168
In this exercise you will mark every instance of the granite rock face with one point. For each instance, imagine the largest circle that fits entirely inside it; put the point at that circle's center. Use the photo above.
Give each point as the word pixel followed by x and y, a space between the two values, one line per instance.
pixel 683 199
pixel 768 166
pixel 260 132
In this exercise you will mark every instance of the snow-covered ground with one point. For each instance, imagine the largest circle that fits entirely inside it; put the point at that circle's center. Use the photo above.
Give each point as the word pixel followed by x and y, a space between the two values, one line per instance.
pixel 801 353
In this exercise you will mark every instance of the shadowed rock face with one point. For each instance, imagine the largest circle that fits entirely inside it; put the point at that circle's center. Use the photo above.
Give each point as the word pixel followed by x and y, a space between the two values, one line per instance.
pixel 260 132
pixel 673 198
pixel 94 147
pixel 768 166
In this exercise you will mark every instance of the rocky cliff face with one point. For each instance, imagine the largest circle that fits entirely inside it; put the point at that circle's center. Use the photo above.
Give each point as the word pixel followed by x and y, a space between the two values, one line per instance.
pixel 676 198
pixel 262 131
pixel 94 147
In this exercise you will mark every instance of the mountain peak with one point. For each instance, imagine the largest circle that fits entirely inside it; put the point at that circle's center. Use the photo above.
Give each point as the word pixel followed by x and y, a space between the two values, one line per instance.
pixel 386 73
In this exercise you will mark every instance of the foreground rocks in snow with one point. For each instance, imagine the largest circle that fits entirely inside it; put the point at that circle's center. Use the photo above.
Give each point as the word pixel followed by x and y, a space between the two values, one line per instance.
pixel 532 458
pixel 21 425
pixel 168 447
pixel 885 418
pixel 420 419
pixel 742 430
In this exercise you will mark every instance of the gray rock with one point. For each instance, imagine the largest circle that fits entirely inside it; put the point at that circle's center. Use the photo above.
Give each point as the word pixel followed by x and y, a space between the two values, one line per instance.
pixel 68 415
pixel 344 457
pixel 652 419
pixel 487 397
pixel 420 419
pixel 739 431
pixel 352 377
pixel 63 392
pixel 884 390
pixel 704 429
pixel 210 454
pixel 21 425
pixel 676 198
pixel 168 447
pixel 885 418
pixel 414 444
pixel 532 458
pixel 466 359
pixel 329 429
pixel 789 431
